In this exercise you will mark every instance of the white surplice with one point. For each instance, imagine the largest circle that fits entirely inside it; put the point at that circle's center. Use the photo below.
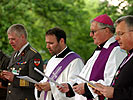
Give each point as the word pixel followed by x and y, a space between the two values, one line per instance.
pixel 115 58
pixel 73 68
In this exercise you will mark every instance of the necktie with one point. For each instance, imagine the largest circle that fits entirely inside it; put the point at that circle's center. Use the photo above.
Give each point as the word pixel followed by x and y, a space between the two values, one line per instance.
pixel 16 55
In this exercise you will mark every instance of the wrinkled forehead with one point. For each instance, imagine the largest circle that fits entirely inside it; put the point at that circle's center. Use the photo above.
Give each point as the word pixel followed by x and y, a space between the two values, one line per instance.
pixel 122 27
pixel 94 25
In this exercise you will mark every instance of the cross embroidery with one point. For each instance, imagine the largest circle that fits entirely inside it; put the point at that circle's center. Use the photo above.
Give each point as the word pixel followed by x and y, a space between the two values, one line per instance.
pixel 54 74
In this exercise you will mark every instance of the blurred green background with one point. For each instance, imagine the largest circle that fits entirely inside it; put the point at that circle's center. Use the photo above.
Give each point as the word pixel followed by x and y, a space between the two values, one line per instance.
pixel 71 15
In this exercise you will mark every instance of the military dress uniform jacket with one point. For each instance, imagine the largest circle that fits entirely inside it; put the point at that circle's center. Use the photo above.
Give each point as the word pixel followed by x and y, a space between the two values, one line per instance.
pixel 23 65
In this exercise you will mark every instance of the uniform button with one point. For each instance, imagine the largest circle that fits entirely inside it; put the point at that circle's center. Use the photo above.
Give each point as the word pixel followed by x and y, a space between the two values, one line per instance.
pixel 20 68
pixel 9 92
pixel 9 84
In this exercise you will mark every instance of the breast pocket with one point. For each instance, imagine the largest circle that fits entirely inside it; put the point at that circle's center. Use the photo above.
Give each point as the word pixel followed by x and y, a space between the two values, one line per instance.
pixel 22 67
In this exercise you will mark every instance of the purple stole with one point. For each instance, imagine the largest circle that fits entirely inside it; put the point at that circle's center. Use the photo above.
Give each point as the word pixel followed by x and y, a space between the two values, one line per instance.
pixel 99 65
pixel 60 67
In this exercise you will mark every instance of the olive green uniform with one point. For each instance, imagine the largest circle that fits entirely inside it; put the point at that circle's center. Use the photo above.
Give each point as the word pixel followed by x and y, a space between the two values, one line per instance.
pixel 23 65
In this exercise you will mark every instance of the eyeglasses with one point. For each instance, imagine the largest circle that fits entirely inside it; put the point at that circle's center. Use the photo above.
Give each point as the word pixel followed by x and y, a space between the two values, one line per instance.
pixel 97 30
pixel 121 33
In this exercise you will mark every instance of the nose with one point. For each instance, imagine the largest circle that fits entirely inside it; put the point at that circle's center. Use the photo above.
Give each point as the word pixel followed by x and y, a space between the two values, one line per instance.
pixel 117 37
pixel 10 41
pixel 91 34
pixel 47 46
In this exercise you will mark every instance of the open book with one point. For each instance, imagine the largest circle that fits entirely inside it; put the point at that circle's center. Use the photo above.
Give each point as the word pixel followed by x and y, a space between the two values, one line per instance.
pixel 27 78
pixel 50 79
pixel 88 82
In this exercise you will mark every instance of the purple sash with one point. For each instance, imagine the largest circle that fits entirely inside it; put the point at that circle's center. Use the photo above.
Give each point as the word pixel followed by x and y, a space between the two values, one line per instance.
pixel 99 65
pixel 61 66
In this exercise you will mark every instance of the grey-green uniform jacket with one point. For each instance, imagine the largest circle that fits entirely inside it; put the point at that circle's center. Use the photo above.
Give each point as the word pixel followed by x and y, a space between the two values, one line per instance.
pixel 23 65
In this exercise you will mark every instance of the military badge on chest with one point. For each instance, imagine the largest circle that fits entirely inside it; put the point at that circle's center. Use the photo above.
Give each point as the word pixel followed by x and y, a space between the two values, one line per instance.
pixel 36 62
pixel 21 63
pixel 15 72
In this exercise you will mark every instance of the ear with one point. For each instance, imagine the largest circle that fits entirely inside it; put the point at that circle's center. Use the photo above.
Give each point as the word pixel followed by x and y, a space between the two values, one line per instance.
pixel 62 40
pixel 107 30
pixel 23 36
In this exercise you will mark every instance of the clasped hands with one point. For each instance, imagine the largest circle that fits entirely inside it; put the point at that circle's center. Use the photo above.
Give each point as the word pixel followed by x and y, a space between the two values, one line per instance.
pixel 6 75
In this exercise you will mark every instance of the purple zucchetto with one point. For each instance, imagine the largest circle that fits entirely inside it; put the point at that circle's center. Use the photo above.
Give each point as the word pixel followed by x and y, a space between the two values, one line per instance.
pixel 104 19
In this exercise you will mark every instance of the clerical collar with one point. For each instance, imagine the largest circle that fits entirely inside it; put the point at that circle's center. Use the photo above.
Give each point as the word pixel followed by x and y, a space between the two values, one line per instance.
pixel 131 51
pixel 100 46
pixel 62 54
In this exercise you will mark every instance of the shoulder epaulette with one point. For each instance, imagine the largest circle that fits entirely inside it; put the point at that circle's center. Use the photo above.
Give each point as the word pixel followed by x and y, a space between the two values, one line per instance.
pixel 33 50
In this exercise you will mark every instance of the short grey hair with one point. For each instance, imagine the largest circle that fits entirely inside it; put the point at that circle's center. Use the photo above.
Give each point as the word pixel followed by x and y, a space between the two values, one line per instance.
pixel 102 25
pixel 19 29
pixel 128 20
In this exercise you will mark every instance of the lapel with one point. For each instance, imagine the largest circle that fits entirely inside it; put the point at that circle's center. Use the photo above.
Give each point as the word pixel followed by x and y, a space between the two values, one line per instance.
pixel 19 58
pixel 16 59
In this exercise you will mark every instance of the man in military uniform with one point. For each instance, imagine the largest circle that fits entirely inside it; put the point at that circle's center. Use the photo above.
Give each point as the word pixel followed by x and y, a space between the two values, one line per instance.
pixel 22 63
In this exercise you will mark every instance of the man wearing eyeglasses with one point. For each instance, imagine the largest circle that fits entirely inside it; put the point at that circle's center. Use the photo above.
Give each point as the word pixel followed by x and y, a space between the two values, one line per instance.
pixel 122 84
pixel 102 65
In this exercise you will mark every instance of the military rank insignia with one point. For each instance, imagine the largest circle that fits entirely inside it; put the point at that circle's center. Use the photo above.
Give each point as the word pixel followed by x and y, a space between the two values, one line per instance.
pixel 23 53
pixel 37 62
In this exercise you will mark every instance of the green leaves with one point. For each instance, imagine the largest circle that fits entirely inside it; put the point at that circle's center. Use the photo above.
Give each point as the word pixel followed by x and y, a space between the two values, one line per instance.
pixel 40 15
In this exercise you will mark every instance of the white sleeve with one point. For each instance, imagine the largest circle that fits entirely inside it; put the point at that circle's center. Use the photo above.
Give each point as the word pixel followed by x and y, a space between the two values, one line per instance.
pixel 114 60
pixel 75 69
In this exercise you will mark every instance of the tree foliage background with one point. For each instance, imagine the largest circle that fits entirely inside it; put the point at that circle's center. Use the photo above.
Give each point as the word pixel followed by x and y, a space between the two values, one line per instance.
pixel 71 15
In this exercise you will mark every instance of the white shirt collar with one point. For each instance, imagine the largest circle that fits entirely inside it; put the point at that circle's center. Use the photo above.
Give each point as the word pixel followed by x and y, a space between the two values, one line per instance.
pixel 23 48
pixel 111 40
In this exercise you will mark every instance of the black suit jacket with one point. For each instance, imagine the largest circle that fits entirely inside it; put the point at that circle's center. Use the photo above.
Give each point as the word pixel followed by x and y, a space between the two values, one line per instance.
pixel 4 60
pixel 123 88
pixel 24 65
